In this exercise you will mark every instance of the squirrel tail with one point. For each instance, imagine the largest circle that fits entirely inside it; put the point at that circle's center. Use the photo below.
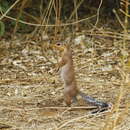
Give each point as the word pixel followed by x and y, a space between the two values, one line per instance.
pixel 93 101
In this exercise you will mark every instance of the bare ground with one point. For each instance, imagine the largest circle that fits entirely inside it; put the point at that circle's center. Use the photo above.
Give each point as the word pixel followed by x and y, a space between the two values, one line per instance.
pixel 31 91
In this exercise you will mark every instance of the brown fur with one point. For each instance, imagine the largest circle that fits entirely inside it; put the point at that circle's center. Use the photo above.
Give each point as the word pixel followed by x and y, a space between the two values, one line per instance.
pixel 68 76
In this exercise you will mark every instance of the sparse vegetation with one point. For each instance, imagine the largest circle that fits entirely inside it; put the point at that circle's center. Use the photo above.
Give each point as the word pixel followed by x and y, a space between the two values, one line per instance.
pixel 30 89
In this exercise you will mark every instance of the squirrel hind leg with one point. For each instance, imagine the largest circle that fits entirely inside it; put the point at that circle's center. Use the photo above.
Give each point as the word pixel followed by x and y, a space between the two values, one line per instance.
pixel 68 100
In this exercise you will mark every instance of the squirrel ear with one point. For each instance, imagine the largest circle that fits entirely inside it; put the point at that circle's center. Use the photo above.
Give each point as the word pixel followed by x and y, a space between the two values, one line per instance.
pixel 68 45
pixel 69 42
pixel 68 39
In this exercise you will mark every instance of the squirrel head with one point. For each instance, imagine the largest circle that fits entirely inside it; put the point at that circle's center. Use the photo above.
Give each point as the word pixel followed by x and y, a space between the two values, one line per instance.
pixel 62 46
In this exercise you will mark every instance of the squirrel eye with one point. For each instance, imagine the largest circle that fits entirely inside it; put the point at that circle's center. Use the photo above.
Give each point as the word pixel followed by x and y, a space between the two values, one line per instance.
pixel 58 44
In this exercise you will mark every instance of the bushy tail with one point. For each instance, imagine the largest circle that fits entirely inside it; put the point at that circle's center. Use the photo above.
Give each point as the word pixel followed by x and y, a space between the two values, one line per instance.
pixel 93 101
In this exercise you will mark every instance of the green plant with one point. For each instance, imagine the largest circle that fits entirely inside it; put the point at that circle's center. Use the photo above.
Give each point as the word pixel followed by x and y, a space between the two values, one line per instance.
pixel 4 5
pixel 2 28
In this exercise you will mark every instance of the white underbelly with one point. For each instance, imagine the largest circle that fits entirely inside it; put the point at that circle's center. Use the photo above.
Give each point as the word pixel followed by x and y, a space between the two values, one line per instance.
pixel 64 72
pixel 67 74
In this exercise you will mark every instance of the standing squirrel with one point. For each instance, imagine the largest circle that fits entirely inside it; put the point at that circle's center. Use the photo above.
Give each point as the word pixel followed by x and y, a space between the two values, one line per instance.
pixel 68 76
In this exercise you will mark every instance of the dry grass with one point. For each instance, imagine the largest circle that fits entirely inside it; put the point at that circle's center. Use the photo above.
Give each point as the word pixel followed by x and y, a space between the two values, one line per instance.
pixel 31 92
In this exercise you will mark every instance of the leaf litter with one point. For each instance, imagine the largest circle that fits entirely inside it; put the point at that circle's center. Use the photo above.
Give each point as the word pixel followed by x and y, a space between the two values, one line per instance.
pixel 30 88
